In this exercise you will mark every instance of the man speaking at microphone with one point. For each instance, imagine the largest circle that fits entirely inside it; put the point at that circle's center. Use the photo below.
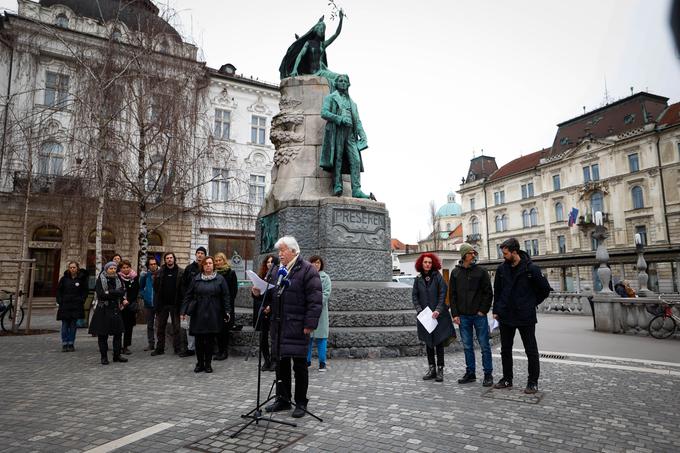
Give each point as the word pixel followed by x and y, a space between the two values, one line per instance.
pixel 295 306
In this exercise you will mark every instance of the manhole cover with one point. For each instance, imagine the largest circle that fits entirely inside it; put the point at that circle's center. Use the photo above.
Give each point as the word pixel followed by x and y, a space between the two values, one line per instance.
pixel 513 394
pixel 265 437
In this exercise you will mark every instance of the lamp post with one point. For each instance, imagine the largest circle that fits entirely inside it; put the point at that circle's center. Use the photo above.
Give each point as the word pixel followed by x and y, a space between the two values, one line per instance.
pixel 641 265
pixel 602 255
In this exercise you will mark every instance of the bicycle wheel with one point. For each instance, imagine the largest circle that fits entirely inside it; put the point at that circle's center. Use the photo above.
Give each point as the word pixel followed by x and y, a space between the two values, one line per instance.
pixel 662 326
pixel 6 320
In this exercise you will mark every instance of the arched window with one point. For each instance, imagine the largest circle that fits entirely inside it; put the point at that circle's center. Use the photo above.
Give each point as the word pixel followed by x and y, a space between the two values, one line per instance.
pixel 474 225
pixel 526 220
pixel 638 200
pixel 48 233
pixel 559 212
pixel 61 21
pixel 597 202
pixel 51 159
pixel 504 222
pixel 533 214
pixel 499 224
pixel 155 239
pixel 107 236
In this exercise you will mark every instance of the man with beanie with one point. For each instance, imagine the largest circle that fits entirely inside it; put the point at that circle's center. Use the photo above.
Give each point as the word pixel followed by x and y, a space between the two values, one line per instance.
pixel 191 271
pixel 470 295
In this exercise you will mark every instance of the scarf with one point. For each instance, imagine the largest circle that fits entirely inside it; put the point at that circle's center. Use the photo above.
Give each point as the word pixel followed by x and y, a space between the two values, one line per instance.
pixel 105 282
pixel 129 277
pixel 208 277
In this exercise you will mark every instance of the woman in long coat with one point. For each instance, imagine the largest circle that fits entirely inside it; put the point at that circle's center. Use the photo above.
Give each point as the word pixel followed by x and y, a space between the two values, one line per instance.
pixel 130 281
pixel 207 303
pixel 222 267
pixel 320 334
pixel 260 319
pixel 71 295
pixel 429 290
pixel 107 319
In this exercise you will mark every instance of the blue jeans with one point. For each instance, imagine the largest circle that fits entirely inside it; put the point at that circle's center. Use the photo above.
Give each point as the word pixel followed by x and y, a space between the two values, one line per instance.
pixel 68 331
pixel 481 326
pixel 320 347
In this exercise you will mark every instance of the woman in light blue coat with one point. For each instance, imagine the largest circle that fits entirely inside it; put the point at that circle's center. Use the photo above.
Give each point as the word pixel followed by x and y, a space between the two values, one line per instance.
pixel 320 335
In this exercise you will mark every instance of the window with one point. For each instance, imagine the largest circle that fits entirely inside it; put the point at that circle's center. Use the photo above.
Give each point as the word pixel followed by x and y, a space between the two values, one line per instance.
pixel 499 197
pixel 528 190
pixel 556 182
pixel 107 236
pixel 48 233
pixel 638 201
pixel 448 226
pixel 51 159
pixel 533 214
pixel 561 244
pixel 499 224
pixel 534 247
pixel 527 247
pixel 472 204
pixel 474 225
pixel 526 220
pixel 61 21
pixel 258 128
pixel 499 251
pixel 222 124
pixel 586 174
pixel 642 231
pixel 504 222
pixel 220 184
pixel 155 181
pixel 559 212
pixel 633 162
pixel 257 189
pixel 56 89
pixel 591 173
pixel 596 202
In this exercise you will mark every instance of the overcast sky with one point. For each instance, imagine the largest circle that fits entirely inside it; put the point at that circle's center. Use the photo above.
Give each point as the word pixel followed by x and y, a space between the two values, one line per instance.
pixel 439 80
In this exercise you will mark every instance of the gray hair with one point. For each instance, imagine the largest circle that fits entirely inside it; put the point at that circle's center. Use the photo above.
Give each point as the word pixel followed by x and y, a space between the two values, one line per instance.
pixel 290 242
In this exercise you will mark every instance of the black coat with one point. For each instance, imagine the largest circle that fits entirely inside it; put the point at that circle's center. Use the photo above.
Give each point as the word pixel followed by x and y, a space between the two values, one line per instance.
pixel 160 281
pixel 232 283
pixel 297 306
pixel 433 296
pixel 106 319
pixel 131 293
pixel 71 295
pixel 517 292
pixel 470 290
pixel 206 301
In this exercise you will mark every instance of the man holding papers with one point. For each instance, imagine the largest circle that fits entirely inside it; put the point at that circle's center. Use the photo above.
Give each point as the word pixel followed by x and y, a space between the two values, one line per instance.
pixel 434 321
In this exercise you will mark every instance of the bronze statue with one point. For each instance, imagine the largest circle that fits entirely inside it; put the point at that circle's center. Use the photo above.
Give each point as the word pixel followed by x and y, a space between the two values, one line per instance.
pixel 344 138
pixel 307 55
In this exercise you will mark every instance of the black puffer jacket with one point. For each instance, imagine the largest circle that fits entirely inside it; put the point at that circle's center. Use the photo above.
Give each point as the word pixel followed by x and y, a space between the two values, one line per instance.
pixel 206 301
pixel 469 290
pixel 71 295
pixel 518 291
pixel 300 303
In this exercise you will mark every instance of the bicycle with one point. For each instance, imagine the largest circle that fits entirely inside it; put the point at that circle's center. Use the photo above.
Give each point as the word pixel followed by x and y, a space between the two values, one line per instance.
pixel 7 311
pixel 664 324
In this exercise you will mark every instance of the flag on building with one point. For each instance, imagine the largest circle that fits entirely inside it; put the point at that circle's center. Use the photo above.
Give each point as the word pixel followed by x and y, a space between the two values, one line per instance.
pixel 573 215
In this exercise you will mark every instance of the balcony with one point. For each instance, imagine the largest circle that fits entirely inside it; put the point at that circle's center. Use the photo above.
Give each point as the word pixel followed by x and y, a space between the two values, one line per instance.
pixel 473 238
pixel 588 220
pixel 48 184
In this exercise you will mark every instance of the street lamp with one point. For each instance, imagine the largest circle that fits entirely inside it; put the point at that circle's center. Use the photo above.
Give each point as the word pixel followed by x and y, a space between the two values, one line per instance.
pixel 641 265
pixel 602 255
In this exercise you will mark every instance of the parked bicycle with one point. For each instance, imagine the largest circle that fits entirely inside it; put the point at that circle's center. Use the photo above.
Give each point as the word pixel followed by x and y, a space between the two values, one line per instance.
pixel 665 323
pixel 8 310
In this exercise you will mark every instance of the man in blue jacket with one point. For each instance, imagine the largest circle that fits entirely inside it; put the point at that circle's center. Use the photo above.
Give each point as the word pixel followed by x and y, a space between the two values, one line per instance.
pixel 519 287
pixel 146 291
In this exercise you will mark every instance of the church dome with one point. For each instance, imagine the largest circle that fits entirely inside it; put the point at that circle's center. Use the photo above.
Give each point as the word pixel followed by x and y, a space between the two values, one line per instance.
pixel 137 15
pixel 451 208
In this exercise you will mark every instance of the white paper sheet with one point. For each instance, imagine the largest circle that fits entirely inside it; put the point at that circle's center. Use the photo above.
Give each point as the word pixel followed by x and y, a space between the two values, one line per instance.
pixel 493 324
pixel 258 282
pixel 425 318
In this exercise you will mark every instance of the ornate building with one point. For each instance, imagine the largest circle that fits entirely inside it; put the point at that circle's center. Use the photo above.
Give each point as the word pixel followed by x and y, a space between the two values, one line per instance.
pixel 623 160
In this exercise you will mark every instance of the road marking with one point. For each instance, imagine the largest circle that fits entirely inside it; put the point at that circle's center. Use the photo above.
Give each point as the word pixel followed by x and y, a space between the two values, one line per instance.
pixel 603 365
pixel 605 357
pixel 134 437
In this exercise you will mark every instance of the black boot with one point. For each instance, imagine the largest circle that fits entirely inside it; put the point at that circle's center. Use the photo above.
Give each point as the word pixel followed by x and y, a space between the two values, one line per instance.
pixel 431 373
pixel 467 377
pixel 105 360
pixel 119 358
pixel 440 374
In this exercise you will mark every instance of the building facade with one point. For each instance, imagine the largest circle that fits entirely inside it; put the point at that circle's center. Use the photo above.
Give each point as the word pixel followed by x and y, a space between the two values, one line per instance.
pixel 622 160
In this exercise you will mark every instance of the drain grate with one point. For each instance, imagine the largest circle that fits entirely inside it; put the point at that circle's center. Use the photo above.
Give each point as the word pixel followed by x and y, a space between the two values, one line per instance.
pixel 553 356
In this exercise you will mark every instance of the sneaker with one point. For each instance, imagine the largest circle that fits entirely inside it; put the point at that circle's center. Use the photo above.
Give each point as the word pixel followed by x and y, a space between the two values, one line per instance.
pixel 71 348
pixel 157 352
pixel 467 378
pixel 503 384
pixel 278 406
pixel 488 380
pixel 531 388
pixel 187 353
pixel 198 368
pixel 105 361
pixel 208 369
pixel 322 367
pixel 118 358
pixel 64 348
pixel 299 411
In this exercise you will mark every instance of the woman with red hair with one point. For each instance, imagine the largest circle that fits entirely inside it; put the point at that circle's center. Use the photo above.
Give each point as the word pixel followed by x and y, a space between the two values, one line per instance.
pixel 429 290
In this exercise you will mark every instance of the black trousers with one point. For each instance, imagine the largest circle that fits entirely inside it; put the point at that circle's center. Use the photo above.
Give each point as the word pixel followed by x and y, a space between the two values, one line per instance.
pixel 284 383
pixel 440 355
pixel 528 334
pixel 162 314
pixel 223 339
pixel 103 341
pixel 204 348
pixel 129 321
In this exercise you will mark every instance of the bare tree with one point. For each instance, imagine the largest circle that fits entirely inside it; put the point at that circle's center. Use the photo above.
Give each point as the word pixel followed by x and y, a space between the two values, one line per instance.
pixel 434 222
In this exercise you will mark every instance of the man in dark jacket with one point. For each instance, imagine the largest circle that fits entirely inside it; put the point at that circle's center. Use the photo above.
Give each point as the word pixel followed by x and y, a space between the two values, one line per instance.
pixel 470 295
pixel 519 287
pixel 167 301
pixel 190 272
pixel 296 307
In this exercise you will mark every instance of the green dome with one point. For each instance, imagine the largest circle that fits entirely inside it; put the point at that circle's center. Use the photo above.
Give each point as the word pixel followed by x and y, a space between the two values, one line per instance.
pixel 451 208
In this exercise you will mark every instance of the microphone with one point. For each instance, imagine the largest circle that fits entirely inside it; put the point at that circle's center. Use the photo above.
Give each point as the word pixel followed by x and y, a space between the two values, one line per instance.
pixel 283 273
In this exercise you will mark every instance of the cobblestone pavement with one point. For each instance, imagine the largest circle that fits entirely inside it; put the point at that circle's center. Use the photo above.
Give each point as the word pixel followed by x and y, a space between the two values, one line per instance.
pixel 68 402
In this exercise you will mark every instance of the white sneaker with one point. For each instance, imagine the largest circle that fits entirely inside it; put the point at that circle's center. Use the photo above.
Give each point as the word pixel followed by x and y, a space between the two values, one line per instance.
pixel 322 367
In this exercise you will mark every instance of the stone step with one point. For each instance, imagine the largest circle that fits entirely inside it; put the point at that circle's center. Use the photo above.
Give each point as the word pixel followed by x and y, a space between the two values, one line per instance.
pixel 376 318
